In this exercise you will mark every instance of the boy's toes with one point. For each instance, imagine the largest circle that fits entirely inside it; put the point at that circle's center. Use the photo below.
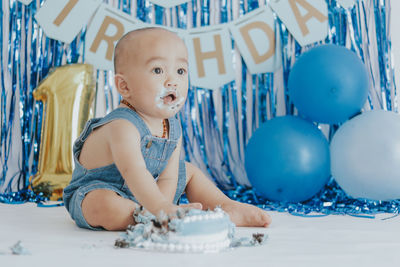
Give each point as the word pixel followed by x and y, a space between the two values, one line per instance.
pixel 257 217
pixel 265 219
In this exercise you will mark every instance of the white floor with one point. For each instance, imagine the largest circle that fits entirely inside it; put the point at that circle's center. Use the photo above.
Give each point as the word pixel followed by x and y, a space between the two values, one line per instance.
pixel 53 240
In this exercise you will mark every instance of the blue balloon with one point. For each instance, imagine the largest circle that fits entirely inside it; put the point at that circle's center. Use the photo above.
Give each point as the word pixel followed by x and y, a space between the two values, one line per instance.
pixel 287 159
pixel 328 84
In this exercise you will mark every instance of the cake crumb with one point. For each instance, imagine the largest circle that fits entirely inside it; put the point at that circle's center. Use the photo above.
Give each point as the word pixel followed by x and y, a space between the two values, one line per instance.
pixel 120 243
pixel 258 238
pixel 18 249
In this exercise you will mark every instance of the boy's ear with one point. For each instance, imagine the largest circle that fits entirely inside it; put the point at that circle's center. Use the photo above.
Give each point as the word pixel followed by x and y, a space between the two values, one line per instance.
pixel 122 86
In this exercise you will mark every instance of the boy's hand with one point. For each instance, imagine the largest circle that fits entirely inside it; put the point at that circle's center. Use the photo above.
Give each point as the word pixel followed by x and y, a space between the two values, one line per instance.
pixel 171 209
pixel 194 205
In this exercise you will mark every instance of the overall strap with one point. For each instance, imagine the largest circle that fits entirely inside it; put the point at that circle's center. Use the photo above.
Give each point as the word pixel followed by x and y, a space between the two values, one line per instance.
pixel 119 113
pixel 175 129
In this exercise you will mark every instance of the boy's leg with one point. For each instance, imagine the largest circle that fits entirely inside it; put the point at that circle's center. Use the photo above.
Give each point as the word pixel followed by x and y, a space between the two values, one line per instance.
pixel 200 189
pixel 105 208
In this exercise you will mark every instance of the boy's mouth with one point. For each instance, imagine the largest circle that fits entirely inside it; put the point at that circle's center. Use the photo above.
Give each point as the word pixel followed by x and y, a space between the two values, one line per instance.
pixel 169 97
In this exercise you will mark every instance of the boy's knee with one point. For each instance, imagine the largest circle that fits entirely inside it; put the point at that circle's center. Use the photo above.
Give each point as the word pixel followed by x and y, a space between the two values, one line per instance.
pixel 190 169
pixel 97 201
pixel 193 171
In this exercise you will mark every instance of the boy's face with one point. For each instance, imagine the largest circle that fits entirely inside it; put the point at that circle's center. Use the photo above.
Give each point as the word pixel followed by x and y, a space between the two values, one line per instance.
pixel 156 73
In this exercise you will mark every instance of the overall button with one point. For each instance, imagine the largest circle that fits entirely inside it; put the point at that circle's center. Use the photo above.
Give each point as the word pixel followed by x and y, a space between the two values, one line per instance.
pixel 148 145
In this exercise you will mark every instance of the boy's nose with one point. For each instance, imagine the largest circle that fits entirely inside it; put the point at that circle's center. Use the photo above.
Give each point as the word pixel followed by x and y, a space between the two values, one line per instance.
pixel 170 83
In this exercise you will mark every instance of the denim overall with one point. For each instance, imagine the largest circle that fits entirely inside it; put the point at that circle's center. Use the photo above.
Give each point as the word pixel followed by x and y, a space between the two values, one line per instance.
pixel 156 152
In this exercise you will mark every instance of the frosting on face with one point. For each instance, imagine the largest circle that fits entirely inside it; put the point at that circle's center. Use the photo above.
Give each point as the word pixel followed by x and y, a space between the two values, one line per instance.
pixel 169 99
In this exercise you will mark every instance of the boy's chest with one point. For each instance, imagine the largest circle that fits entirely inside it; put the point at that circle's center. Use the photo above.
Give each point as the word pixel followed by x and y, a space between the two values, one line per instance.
pixel 156 153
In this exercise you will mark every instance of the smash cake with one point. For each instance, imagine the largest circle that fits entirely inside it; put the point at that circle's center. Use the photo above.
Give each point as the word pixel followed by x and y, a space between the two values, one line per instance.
pixel 190 230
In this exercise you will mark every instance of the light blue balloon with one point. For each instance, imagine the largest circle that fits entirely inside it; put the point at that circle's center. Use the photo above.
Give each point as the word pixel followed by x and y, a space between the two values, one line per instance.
pixel 328 84
pixel 287 159
pixel 365 156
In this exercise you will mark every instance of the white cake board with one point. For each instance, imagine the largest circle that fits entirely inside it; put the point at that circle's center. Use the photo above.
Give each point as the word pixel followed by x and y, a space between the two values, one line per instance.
pixel 54 240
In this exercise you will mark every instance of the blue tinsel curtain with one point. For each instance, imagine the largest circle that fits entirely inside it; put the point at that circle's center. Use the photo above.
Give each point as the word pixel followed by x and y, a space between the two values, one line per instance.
pixel 216 123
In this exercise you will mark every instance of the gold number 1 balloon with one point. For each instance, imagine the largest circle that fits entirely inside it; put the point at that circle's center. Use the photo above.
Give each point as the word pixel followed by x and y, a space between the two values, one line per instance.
pixel 67 95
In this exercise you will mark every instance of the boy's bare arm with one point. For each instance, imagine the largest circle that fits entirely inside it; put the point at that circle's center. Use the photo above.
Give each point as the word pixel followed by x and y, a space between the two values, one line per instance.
pixel 167 182
pixel 124 142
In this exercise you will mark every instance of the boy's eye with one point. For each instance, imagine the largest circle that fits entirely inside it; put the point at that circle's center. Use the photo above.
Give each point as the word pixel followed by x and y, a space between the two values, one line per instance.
pixel 181 71
pixel 157 70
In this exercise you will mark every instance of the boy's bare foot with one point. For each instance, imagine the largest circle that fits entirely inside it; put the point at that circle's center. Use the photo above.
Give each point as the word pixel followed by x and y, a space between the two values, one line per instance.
pixel 242 214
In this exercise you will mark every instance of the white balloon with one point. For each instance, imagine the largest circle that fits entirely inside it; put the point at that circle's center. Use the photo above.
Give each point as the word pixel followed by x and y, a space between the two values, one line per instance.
pixel 365 156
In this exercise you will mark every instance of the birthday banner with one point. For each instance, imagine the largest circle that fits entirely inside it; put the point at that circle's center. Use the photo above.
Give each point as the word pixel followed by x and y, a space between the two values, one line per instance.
pixel 210 48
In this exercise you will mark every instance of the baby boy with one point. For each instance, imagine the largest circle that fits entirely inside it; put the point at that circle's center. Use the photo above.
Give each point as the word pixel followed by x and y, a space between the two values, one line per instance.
pixel 132 155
